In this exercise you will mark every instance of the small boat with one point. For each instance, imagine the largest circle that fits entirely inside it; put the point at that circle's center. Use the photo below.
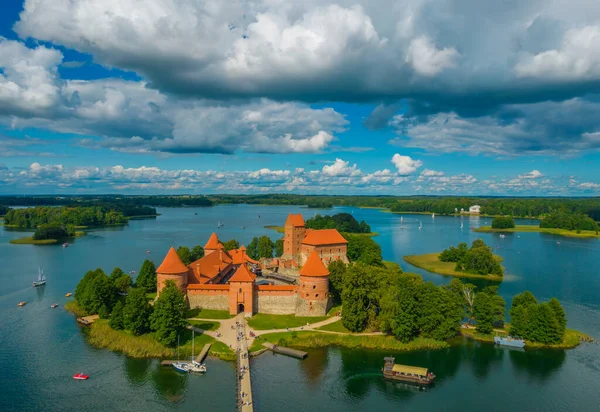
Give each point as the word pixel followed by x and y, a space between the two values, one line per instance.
pixel 195 366
pixel 180 366
pixel 408 374
pixel 65 244
pixel 80 376
pixel 502 236
pixel 219 224
pixel 147 252
pixel 433 215
pixel 41 279
pixel 420 225
pixel 509 341
pixel 68 295
pixel 133 272
pixel 22 304
pixel 461 225
pixel 54 305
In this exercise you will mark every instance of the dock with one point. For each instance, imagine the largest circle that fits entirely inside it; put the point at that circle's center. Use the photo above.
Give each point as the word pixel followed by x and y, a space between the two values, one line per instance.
pixel 244 403
pixel 285 351
pixel 88 320
pixel 168 362
pixel 202 355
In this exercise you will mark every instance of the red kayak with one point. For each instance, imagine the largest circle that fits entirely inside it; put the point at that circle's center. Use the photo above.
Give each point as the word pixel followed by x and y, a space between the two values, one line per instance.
pixel 80 376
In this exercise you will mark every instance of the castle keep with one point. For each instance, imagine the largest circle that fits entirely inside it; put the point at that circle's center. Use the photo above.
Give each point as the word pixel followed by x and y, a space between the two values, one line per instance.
pixel 225 280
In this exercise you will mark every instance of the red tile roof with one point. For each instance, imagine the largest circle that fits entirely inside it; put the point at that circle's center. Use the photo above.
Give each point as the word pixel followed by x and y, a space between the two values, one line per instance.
pixel 295 220
pixel 314 266
pixel 324 237
pixel 213 242
pixel 242 275
pixel 172 264
pixel 209 266
pixel 239 256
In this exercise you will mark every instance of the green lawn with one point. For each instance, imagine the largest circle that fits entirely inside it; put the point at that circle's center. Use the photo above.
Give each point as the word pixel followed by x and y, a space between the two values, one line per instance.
pixel 335 327
pixel 431 263
pixel 209 314
pixel 204 325
pixel 261 321
pixel 31 241
pixel 531 228
pixel 313 339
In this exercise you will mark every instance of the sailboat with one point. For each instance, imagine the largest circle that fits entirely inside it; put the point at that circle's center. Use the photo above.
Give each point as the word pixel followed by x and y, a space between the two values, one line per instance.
pixel 461 225
pixel 180 366
pixel 195 366
pixel 219 224
pixel 420 225
pixel 433 215
pixel 41 279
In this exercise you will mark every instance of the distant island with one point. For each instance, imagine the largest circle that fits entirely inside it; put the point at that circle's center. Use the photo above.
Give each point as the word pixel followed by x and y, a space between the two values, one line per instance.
pixel 561 222
pixel 478 261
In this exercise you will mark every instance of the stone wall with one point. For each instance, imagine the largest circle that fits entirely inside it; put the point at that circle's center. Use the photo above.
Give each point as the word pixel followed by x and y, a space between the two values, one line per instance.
pixel 275 303
pixel 312 307
pixel 209 300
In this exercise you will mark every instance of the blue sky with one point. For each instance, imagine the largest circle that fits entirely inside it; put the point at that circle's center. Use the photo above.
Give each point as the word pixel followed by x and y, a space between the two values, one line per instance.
pixel 324 97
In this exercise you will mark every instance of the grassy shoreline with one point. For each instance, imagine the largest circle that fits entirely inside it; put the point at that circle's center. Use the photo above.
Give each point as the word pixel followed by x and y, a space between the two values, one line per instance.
pixel 29 240
pixel 571 340
pixel 315 339
pixel 531 228
pixel 262 321
pixel 431 263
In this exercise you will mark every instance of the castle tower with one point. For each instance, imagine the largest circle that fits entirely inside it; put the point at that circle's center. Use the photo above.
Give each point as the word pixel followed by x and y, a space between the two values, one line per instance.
pixel 313 289
pixel 172 268
pixel 241 291
pixel 292 240
pixel 212 245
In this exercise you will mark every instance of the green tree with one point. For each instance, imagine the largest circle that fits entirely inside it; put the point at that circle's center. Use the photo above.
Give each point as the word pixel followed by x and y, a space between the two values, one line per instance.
pixel 278 247
pixel 560 315
pixel 439 313
pixel 94 291
pixel 358 285
pixel 116 317
pixel 252 249
pixel 168 319
pixel 196 253
pixel 265 247
pixel 146 279
pixel 465 292
pixel 519 312
pixel 503 222
pixel 231 244
pixel 363 249
pixel 123 283
pixel 137 311
pixel 400 308
pixel 116 274
pixel 488 307
pixel 184 254
pixel 337 270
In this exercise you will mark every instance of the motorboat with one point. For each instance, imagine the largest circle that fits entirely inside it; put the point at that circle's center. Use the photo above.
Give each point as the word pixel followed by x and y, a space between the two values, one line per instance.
pixel 41 279
pixel 68 295
pixel 22 304
pixel 408 374
pixel 54 305
pixel 509 341
pixel 80 376
pixel 66 244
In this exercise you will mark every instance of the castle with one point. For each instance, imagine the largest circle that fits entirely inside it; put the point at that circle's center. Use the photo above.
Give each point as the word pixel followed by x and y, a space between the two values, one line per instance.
pixel 225 280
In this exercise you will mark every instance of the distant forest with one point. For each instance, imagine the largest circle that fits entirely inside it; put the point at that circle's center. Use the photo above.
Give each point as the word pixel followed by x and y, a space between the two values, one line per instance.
pixel 535 207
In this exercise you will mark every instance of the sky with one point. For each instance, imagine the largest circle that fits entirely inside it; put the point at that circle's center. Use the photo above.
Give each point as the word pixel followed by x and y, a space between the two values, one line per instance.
pixel 379 97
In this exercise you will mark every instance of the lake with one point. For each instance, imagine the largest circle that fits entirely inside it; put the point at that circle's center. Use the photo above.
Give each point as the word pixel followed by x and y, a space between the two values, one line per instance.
pixel 42 348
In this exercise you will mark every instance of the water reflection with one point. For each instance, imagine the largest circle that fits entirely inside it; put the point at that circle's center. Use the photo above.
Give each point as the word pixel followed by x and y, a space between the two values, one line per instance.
pixel 136 370
pixel 40 290
pixel 315 365
pixel 540 364
pixel 169 383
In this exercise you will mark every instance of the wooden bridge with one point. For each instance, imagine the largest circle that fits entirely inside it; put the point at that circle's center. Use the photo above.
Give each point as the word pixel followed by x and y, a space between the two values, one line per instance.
pixel 285 351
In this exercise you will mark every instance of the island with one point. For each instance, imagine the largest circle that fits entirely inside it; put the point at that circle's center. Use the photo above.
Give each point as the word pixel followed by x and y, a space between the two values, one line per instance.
pixel 478 261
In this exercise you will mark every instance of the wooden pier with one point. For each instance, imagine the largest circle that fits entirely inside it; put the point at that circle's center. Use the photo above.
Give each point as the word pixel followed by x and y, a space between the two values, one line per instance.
pixel 285 351
pixel 202 355
pixel 168 362
pixel 88 320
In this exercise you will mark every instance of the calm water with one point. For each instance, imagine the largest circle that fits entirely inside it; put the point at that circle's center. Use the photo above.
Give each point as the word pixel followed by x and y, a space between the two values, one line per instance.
pixel 41 348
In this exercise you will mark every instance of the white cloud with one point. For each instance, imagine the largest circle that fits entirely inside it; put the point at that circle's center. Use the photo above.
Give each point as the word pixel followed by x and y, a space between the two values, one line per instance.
pixel 430 173
pixel 405 164
pixel 534 174
pixel 427 60
pixel 340 168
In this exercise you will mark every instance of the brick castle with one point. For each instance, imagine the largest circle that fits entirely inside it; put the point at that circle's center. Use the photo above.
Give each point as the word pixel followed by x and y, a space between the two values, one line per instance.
pixel 225 280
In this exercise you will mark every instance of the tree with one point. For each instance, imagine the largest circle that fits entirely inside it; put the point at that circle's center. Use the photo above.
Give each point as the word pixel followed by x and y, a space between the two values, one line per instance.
pixel 363 249
pixel 252 249
pixel 168 318
pixel 544 323
pixel 196 253
pixel 488 307
pixel 146 279
pixel 400 308
pixel 439 312
pixel 116 274
pixel 355 297
pixel 137 311
pixel 454 254
pixel 231 244
pixel 560 315
pixel 265 247
pixel 519 312
pixel 278 247
pixel 50 231
pixel 337 269
pixel 116 317
pixel 94 291
pixel 123 283
pixel 503 222
pixel 184 254
pixel 466 293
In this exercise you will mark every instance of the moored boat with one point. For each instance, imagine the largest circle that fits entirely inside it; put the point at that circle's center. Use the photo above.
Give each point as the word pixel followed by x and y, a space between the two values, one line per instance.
pixel 80 376
pixel 65 244
pixel 68 295
pixel 408 374
pixel 54 305
pixel 509 341
pixel 22 304
pixel 41 279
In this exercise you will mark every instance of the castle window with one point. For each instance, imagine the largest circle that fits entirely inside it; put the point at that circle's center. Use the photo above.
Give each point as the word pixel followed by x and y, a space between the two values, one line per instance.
pixel 307 295
pixel 317 295
pixel 240 290
pixel 314 286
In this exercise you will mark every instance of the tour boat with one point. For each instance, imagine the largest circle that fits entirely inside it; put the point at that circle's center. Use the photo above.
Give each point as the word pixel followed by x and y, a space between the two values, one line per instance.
pixel 408 374
pixel 22 304
pixel 68 295
pixel 41 280
pixel 54 305
pixel 65 244
pixel 80 376
pixel 509 341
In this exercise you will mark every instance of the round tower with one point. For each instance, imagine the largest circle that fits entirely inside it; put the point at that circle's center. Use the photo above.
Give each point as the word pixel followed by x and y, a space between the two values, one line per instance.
pixel 313 288
pixel 172 268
